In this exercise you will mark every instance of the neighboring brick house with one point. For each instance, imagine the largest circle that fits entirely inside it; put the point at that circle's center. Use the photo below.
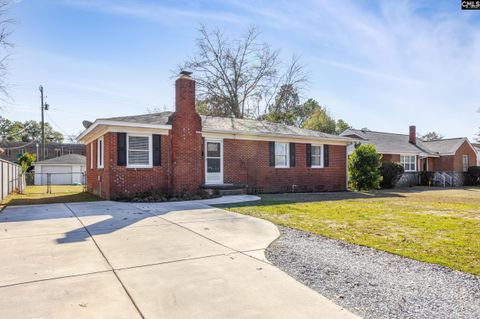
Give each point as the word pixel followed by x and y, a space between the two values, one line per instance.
pixel 184 152
pixel 11 150
pixel 450 156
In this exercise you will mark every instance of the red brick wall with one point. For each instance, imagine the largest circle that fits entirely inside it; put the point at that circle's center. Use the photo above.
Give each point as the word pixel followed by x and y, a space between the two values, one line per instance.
pixel 465 149
pixel 247 162
pixel 121 181
pixel 453 163
pixel 391 158
pixel 444 163
pixel 187 143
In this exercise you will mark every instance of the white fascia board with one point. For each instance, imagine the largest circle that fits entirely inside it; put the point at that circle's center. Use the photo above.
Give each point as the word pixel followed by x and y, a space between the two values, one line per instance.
pixel 234 135
pixel 111 124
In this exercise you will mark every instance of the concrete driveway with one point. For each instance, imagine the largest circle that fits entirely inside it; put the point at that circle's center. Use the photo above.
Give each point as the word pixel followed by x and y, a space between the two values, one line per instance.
pixel 146 260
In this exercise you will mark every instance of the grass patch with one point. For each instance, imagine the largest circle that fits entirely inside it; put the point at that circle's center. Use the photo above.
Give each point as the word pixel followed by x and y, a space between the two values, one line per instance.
pixel 60 194
pixel 436 226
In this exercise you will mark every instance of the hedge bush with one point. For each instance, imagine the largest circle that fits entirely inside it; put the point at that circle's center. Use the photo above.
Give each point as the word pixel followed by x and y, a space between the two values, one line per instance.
pixel 472 177
pixel 391 173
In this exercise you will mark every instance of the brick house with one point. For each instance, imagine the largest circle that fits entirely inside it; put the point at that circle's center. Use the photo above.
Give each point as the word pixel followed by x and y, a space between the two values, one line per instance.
pixel 183 152
pixel 451 156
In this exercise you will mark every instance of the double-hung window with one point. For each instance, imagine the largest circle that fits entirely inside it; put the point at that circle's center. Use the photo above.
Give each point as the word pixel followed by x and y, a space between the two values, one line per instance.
pixel 139 151
pixel 281 155
pixel 100 148
pixel 409 163
pixel 317 156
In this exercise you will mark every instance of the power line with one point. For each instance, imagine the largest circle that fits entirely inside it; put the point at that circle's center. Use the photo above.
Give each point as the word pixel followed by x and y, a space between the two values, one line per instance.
pixel 58 126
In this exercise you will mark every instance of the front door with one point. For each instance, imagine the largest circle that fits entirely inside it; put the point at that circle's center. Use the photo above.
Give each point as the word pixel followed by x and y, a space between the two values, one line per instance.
pixel 213 162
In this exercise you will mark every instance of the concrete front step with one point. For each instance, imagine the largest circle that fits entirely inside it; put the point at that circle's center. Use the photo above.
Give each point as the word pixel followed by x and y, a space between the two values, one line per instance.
pixel 224 189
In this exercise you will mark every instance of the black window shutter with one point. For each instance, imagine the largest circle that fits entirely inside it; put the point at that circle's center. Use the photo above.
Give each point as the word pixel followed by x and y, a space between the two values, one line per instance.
pixel 326 156
pixel 292 154
pixel 121 149
pixel 309 155
pixel 157 149
pixel 271 148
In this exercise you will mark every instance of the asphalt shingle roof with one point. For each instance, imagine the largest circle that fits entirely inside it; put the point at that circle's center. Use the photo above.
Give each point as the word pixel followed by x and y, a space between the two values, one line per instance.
pixel 227 124
pixel 393 143
pixel 161 118
pixel 448 145
pixel 74 159
pixel 213 123
pixel 387 143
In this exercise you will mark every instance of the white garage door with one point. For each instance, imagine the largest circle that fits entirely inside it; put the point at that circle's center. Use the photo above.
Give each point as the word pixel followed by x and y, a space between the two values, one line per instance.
pixel 60 175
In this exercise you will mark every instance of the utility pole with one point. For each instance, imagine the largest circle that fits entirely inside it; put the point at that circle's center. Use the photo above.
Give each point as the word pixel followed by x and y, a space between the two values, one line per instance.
pixel 43 124
pixel 43 107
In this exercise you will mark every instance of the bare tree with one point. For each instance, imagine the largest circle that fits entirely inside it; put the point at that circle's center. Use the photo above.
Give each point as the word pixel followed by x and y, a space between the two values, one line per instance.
pixel 237 77
pixel 5 22
pixel 295 78
pixel 283 101
pixel 431 136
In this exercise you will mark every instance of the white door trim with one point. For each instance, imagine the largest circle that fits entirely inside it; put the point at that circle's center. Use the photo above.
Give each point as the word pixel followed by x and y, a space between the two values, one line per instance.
pixel 218 181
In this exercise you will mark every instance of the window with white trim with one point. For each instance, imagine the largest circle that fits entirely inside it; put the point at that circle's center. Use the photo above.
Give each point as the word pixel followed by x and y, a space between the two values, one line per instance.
pixel 100 148
pixel 317 156
pixel 409 163
pixel 465 163
pixel 91 155
pixel 139 150
pixel 281 155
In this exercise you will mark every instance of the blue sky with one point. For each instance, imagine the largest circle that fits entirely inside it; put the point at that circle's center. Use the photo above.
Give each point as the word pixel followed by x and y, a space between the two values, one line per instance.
pixel 379 64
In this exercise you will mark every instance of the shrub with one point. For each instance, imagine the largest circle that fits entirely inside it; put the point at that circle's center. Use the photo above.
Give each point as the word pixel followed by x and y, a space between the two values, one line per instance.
pixel 472 177
pixel 426 178
pixel 364 168
pixel 391 173
pixel 25 161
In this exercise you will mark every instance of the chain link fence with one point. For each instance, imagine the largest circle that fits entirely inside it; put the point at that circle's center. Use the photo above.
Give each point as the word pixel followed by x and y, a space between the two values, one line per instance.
pixel 55 182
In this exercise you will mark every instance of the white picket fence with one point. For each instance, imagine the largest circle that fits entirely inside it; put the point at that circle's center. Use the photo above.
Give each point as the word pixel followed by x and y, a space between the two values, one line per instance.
pixel 10 180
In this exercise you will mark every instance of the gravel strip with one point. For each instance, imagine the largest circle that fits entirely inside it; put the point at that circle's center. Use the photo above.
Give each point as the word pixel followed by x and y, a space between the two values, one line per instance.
pixel 373 283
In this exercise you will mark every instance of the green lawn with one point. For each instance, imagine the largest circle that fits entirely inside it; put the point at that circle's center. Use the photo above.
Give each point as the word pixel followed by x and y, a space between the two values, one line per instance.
pixel 60 194
pixel 437 226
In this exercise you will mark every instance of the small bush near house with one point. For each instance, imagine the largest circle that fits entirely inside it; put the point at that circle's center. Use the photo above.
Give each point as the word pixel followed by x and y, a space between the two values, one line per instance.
pixel 472 177
pixel 391 173
pixel 426 178
pixel 364 168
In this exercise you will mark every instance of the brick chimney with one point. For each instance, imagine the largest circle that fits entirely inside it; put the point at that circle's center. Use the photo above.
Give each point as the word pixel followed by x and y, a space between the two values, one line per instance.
pixel 187 160
pixel 412 135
